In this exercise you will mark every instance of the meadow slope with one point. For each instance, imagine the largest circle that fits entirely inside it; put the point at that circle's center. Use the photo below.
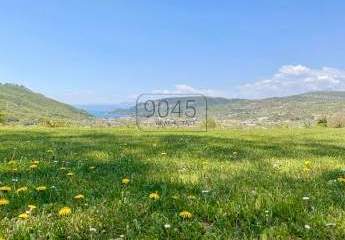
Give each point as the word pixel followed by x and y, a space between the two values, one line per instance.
pixel 239 184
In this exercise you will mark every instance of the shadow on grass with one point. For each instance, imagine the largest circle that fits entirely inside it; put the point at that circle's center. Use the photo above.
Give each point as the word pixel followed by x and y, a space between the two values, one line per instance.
pixel 238 202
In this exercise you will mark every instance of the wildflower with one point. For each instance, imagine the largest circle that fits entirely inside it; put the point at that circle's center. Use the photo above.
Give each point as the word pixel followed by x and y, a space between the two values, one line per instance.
pixel 154 196
pixel 65 211
pixel 166 226
pixel 125 181
pixel 33 166
pixel 22 189
pixel 93 229
pixel 341 179
pixel 305 198
pixel 185 214
pixel 205 191
pixel 4 201
pixel 14 179
pixel 306 226
pixel 35 162
pixel 23 216
pixel 5 189
pixel 92 167
pixel 41 188
pixel 31 207
pixel 79 197
pixel 163 153
pixel 70 174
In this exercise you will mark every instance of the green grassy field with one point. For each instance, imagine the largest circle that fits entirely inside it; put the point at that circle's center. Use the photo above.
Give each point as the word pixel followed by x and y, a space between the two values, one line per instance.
pixel 240 184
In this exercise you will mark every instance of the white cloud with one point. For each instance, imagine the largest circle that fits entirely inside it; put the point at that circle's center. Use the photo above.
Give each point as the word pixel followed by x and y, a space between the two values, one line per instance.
pixel 295 79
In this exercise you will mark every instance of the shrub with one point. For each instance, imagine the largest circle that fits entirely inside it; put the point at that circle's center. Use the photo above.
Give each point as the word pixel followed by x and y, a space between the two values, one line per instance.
pixel 54 123
pixel 322 122
pixel 337 120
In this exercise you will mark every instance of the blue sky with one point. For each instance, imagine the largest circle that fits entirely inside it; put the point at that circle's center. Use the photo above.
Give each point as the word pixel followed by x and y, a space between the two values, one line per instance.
pixel 84 52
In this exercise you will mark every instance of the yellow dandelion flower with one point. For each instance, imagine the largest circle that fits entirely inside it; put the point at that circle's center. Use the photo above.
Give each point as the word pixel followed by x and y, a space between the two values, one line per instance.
pixel 125 181
pixel 70 174
pixel 22 189
pixel 341 179
pixel 23 216
pixel 154 196
pixel 31 207
pixel 65 211
pixel 33 166
pixel 4 201
pixel 5 189
pixel 185 214
pixel 79 197
pixel 41 188
pixel 307 163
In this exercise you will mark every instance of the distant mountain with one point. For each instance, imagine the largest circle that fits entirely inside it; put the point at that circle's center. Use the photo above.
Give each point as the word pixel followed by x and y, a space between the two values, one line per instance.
pixel 20 104
pixel 297 108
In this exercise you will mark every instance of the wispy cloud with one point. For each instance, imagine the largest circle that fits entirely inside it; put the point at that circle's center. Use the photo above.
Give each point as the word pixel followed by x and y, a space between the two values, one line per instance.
pixel 295 79
pixel 288 80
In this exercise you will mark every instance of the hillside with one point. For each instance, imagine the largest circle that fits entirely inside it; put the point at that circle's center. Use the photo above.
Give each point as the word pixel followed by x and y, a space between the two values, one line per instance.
pixel 297 108
pixel 20 104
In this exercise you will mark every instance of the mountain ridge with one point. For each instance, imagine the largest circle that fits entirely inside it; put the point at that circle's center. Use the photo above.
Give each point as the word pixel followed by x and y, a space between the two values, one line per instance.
pixel 295 108
pixel 20 104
